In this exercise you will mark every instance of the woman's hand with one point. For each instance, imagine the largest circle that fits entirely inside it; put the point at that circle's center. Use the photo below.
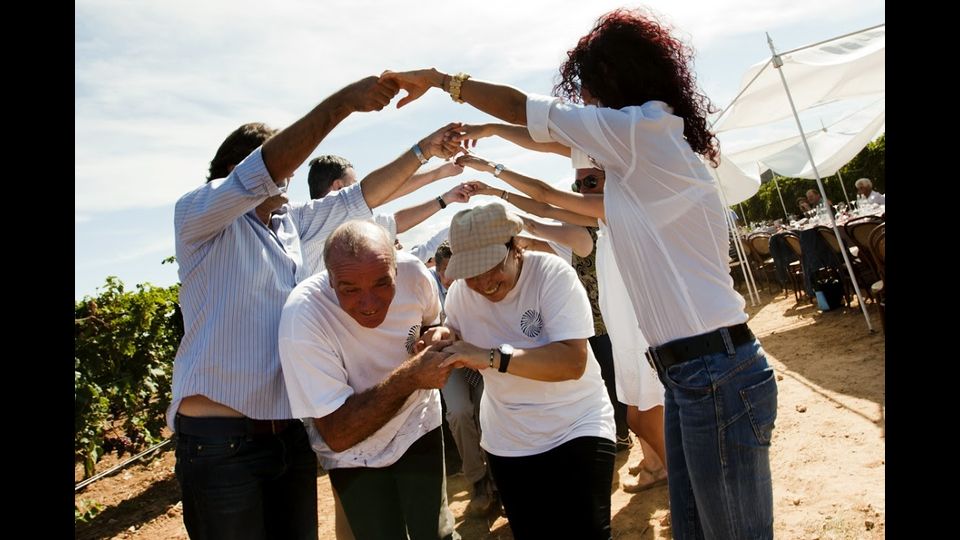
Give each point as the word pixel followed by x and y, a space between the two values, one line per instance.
pixel 477 187
pixel 475 162
pixel 433 336
pixel 466 355
pixel 438 144
pixel 416 83
pixel 469 134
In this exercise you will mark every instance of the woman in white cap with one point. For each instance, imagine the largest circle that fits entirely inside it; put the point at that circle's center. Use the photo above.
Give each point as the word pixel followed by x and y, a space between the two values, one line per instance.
pixel 523 319
pixel 632 104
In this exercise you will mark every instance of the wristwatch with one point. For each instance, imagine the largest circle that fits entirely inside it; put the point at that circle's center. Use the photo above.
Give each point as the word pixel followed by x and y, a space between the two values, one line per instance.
pixel 506 353
pixel 497 169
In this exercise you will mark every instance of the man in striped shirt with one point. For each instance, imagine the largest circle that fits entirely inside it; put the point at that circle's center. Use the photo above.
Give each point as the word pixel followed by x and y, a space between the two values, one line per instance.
pixel 244 463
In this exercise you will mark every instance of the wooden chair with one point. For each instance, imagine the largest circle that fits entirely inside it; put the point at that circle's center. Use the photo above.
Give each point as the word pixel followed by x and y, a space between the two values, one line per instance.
pixel 878 246
pixel 858 231
pixel 795 270
pixel 863 272
pixel 762 259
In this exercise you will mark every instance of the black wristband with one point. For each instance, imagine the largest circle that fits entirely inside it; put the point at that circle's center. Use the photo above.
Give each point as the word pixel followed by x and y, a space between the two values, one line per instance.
pixel 442 204
pixel 504 362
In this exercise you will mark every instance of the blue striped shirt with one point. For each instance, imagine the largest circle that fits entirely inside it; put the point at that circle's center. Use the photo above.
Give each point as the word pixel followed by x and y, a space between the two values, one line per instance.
pixel 235 276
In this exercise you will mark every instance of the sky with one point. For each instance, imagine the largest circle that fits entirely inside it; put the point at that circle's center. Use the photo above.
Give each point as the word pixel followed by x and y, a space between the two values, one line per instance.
pixel 159 85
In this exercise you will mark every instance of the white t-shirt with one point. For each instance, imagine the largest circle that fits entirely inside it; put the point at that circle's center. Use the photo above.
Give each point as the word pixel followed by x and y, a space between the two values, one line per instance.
pixel 667 223
pixel 520 416
pixel 327 357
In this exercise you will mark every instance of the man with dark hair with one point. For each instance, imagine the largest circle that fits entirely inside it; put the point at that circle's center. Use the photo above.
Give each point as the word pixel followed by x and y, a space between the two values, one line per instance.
pixel 329 173
pixel 244 464
pixel 236 146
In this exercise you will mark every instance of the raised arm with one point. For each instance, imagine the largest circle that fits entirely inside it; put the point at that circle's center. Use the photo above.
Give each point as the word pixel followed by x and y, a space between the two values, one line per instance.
pixel 420 180
pixel 504 102
pixel 575 237
pixel 588 205
pixel 414 215
pixel 518 135
pixel 531 206
pixel 288 149
pixel 362 414
pixel 380 185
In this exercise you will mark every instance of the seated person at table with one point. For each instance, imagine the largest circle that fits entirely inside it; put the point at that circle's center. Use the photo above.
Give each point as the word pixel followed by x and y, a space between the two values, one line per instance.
pixel 804 206
pixel 813 197
pixel 865 192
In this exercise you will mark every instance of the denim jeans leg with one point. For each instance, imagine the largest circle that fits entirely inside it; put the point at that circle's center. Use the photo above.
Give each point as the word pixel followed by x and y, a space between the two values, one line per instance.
pixel 222 494
pixel 719 417
pixel 290 499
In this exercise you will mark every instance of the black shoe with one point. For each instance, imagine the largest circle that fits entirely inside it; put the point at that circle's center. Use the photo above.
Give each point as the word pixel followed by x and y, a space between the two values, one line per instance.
pixel 624 443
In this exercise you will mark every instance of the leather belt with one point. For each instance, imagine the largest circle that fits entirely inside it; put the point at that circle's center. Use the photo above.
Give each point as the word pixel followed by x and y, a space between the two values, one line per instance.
pixel 225 426
pixel 721 340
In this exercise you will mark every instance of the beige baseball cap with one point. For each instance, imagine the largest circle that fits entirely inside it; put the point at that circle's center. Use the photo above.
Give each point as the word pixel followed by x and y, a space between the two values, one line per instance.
pixel 477 239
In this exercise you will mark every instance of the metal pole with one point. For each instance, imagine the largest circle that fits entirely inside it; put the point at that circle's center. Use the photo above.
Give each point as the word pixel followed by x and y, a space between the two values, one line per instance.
pixel 840 176
pixel 777 64
pixel 779 193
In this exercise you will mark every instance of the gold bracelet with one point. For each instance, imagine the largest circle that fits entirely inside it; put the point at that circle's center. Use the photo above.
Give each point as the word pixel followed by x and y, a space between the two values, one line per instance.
pixel 492 352
pixel 455 84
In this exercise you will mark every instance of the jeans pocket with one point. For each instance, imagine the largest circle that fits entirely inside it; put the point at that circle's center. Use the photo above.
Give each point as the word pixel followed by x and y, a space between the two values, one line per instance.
pixel 201 449
pixel 690 376
pixel 760 401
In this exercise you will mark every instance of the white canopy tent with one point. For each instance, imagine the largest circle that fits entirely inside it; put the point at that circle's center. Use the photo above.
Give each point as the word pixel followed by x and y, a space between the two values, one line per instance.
pixel 848 66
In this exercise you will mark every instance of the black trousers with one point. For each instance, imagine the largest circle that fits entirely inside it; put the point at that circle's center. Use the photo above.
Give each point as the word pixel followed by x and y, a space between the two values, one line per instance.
pixel 561 493
pixel 386 503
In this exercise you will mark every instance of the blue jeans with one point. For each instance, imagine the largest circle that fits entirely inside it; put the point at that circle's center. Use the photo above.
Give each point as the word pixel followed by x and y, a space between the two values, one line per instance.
pixel 719 412
pixel 248 487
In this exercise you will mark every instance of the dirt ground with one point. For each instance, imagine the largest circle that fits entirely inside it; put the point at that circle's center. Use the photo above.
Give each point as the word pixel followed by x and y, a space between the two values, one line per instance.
pixel 827 455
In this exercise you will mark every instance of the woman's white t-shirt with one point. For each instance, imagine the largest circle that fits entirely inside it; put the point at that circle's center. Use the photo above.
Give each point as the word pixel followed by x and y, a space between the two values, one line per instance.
pixel 520 416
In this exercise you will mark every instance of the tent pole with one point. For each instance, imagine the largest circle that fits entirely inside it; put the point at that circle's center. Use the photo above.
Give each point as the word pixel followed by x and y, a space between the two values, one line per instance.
pixel 840 176
pixel 735 236
pixel 777 64
pixel 779 193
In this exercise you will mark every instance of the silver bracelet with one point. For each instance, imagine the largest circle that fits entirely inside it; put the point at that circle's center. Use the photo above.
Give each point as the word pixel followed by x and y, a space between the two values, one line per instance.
pixel 417 152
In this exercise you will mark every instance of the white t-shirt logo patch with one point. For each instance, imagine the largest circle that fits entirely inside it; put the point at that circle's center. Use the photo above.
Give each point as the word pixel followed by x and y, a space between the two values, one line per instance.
pixel 531 323
pixel 412 336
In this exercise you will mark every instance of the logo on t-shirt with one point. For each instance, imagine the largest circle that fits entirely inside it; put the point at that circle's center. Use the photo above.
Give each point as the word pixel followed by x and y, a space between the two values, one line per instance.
pixel 531 323
pixel 412 337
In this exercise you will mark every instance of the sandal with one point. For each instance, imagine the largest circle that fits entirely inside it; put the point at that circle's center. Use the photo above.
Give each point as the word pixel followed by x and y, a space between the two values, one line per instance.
pixel 646 480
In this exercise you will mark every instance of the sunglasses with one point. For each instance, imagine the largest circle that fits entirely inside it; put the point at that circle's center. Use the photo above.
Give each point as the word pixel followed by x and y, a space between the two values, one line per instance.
pixel 590 181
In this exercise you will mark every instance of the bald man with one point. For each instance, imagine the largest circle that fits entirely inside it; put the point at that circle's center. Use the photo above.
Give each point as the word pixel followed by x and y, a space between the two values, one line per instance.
pixel 346 342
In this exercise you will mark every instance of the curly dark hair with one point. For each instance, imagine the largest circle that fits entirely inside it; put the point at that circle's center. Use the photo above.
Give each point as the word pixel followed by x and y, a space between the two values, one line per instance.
pixel 630 58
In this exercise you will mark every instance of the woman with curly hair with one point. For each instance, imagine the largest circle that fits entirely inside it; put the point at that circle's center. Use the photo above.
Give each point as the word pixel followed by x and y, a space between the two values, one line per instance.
pixel 632 106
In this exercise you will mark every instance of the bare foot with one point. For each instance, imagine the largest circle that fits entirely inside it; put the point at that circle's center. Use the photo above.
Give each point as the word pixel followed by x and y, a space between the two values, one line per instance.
pixel 645 480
